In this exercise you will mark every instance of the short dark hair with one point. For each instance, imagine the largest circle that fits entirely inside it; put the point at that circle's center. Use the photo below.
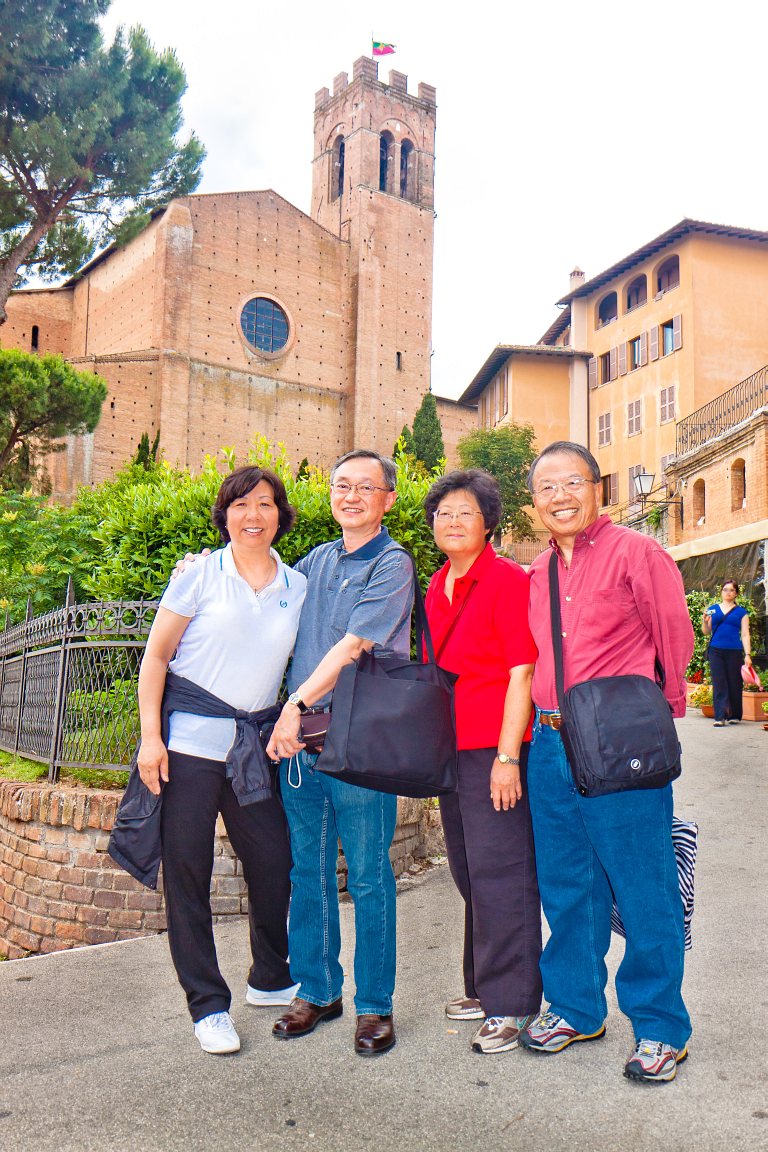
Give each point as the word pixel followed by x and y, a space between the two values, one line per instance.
pixel 387 465
pixel 731 581
pixel 573 449
pixel 483 486
pixel 238 484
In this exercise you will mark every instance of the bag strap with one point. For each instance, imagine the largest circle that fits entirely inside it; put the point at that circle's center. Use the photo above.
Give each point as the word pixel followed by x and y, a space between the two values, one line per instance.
pixel 557 640
pixel 423 632
pixel 455 620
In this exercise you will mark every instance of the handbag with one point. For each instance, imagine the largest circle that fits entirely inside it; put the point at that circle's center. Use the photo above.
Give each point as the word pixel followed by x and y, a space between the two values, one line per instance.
pixel 618 731
pixel 685 843
pixel 392 725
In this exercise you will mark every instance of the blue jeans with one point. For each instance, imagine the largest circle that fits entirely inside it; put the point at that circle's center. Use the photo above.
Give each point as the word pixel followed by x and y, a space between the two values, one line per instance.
pixel 589 849
pixel 321 811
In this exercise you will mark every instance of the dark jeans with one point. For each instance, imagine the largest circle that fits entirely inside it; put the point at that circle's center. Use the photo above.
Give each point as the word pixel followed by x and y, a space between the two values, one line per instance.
pixel 725 670
pixel 192 799
pixel 490 855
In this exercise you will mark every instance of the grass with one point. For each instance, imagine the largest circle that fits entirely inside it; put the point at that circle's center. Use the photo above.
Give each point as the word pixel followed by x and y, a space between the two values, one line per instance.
pixel 28 771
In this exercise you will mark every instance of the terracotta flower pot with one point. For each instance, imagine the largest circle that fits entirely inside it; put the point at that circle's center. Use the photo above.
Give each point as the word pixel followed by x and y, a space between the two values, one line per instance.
pixel 752 705
pixel 708 710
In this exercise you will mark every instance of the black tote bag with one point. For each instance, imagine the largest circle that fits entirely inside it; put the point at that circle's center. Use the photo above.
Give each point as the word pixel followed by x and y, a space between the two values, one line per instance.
pixel 393 727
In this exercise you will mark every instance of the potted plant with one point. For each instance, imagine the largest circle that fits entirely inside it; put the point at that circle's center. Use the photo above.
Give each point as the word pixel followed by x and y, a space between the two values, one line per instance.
pixel 765 709
pixel 701 697
pixel 753 698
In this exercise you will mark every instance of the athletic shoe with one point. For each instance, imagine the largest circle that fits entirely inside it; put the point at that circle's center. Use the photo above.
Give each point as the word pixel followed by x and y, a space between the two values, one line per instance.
pixel 500 1033
pixel 550 1033
pixel 280 998
pixel 217 1034
pixel 464 1008
pixel 654 1062
pixel 719 724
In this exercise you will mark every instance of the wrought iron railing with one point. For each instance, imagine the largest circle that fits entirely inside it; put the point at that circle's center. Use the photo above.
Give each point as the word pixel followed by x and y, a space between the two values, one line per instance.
pixel 526 551
pixel 68 684
pixel 722 413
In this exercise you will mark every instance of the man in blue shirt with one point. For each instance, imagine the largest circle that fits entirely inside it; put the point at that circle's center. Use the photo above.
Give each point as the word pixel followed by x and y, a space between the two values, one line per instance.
pixel 359 594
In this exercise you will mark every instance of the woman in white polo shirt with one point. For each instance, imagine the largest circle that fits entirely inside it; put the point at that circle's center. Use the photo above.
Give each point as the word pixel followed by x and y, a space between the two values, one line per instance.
pixel 231 620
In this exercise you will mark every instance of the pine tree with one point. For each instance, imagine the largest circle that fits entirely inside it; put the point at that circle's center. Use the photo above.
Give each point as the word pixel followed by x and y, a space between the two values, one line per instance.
pixel 427 444
pixel 88 145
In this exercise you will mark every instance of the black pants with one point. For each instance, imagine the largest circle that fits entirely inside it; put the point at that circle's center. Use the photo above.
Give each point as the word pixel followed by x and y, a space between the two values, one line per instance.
pixel 490 855
pixel 194 795
pixel 725 669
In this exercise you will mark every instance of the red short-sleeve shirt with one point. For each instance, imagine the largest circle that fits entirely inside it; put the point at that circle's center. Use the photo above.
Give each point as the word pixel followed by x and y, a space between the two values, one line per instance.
pixel 491 637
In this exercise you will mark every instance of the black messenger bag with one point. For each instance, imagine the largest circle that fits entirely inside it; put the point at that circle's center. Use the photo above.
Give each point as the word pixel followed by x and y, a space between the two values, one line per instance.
pixel 618 731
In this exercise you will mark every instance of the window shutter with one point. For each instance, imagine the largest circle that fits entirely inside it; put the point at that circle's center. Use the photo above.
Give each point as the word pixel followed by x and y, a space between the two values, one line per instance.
pixel 643 348
pixel 677 332
pixel 613 363
pixel 623 359
pixel 655 342
pixel 614 486
pixel 593 372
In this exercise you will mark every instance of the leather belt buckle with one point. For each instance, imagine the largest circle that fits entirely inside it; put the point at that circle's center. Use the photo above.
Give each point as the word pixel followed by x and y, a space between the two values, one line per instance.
pixel 551 719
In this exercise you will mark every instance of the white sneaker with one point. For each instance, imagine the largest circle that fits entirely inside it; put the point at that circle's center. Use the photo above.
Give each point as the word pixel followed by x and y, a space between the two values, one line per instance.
pixel 217 1034
pixel 279 998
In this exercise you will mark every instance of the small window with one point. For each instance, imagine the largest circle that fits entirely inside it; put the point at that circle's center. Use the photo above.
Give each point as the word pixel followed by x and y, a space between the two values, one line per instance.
pixel 667 338
pixel 637 293
pixel 35 342
pixel 337 168
pixel 264 325
pixel 605 368
pixel 386 161
pixel 634 417
pixel 699 502
pixel 399 361
pixel 668 275
pixel 667 404
pixel 607 309
pixel 610 489
pixel 738 485
pixel 633 350
pixel 664 465
pixel 604 429
pixel 634 470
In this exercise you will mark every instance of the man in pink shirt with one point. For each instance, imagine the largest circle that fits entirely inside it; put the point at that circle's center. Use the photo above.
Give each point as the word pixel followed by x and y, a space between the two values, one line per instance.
pixel 622 604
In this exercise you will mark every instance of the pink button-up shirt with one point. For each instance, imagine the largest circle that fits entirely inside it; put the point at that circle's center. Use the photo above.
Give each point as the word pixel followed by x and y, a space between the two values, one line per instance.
pixel 621 603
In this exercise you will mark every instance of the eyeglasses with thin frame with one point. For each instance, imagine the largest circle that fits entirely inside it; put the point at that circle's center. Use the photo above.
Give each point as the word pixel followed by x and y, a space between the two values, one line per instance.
pixel 571 487
pixel 342 488
pixel 443 515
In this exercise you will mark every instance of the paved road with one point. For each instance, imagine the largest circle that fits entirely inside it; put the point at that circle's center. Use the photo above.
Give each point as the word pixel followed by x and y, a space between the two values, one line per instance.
pixel 98 1053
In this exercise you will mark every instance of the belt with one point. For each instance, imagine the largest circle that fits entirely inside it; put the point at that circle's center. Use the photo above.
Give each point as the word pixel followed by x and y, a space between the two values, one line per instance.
pixel 551 719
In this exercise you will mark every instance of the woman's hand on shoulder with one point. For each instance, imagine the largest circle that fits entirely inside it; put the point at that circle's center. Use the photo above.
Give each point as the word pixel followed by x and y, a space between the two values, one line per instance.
pixel 506 788
pixel 188 558
pixel 153 763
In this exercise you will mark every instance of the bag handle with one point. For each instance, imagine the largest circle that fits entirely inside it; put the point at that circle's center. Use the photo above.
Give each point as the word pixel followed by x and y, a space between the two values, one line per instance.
pixel 423 633
pixel 557 640
pixel 455 620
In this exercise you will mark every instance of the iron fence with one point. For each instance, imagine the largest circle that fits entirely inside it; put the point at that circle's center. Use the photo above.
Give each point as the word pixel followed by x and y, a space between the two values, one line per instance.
pixel 68 684
pixel 722 413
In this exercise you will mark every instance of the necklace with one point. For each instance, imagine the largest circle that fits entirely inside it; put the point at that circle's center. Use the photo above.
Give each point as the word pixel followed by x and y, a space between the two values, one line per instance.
pixel 272 570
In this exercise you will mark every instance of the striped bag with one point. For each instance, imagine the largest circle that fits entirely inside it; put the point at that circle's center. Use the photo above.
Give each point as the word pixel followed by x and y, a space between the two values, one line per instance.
pixel 684 840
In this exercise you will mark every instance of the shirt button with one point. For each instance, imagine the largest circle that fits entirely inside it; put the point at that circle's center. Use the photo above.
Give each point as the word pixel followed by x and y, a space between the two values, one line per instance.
pixel 565 633
pixel 568 599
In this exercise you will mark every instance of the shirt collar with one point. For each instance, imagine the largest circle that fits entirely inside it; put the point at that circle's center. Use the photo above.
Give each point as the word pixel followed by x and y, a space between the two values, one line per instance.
pixel 369 550
pixel 478 569
pixel 228 566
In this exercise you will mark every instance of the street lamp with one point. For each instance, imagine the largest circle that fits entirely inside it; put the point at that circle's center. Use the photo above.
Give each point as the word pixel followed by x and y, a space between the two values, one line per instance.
pixel 644 482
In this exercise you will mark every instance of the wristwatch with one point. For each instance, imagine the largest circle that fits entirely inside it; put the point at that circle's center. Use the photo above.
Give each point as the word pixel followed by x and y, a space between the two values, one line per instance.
pixel 294 698
pixel 504 759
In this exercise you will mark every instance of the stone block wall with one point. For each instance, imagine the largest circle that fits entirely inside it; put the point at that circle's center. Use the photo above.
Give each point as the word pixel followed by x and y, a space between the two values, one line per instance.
pixel 60 889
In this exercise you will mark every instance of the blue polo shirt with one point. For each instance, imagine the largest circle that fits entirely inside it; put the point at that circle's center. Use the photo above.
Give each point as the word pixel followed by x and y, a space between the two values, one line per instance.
pixel 368 593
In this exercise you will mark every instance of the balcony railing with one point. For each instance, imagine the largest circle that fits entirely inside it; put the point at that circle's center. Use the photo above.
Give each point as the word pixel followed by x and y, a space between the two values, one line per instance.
pixel 723 412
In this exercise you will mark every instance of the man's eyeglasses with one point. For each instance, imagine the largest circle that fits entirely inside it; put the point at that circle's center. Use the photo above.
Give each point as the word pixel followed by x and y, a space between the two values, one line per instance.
pixel 572 487
pixel 442 516
pixel 342 488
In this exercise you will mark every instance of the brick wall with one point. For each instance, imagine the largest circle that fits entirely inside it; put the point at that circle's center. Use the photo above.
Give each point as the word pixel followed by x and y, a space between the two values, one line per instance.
pixel 60 889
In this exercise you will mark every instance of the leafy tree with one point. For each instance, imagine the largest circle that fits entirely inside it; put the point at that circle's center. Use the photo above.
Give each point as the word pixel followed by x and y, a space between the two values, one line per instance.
pixel 42 398
pixel 507 453
pixel 427 442
pixel 88 136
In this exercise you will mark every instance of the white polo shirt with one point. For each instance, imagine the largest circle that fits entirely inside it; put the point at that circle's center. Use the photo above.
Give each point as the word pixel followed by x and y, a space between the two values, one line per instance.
pixel 236 645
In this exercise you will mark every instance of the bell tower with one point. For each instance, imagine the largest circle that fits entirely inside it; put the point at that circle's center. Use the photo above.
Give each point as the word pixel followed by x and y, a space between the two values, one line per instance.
pixel 373 187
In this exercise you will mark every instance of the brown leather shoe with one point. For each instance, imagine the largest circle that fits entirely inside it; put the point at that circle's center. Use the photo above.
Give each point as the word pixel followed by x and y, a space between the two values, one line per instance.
pixel 374 1034
pixel 303 1017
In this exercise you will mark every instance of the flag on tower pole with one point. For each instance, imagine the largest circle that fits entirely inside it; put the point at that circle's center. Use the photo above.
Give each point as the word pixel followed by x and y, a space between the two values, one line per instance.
pixel 378 48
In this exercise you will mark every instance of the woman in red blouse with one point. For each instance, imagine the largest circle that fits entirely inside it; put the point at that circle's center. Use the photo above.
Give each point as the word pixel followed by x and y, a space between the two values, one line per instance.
pixel 477 606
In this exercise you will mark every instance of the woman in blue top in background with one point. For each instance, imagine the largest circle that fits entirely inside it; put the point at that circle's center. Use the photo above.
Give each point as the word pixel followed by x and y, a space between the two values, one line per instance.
pixel 727 625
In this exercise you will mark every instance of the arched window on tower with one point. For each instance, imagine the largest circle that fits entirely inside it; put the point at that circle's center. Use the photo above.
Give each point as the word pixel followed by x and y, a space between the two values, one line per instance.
pixel 386 161
pixel 407 171
pixel 738 485
pixel 337 168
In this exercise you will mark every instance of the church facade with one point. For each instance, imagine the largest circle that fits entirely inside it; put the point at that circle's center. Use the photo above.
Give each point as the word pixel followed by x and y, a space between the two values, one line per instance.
pixel 235 315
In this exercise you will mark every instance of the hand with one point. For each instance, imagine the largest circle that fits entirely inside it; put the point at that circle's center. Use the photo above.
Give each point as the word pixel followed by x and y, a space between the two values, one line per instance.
pixel 153 764
pixel 506 788
pixel 284 741
pixel 189 558
pixel 747 659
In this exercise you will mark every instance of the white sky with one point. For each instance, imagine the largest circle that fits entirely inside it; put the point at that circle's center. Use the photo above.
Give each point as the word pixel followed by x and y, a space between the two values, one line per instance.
pixel 567 134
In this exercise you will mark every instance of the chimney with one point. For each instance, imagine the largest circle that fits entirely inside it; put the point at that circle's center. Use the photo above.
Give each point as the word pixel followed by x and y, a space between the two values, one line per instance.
pixel 576 279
